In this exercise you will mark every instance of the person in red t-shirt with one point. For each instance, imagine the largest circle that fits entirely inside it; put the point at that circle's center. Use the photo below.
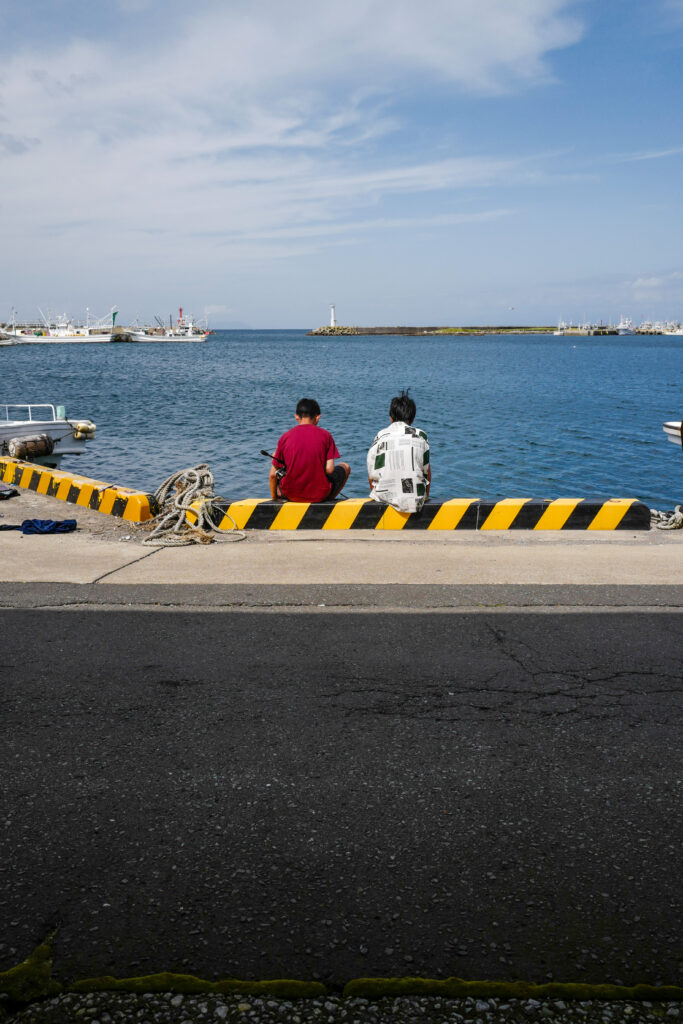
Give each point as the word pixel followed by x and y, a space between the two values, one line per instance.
pixel 306 453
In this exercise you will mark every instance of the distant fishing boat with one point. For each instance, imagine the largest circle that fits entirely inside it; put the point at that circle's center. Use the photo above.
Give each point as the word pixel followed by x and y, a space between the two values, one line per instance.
pixel 583 330
pixel 625 326
pixel 184 329
pixel 61 329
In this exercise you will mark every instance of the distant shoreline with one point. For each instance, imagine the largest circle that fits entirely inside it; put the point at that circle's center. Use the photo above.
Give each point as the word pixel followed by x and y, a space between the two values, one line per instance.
pixel 340 330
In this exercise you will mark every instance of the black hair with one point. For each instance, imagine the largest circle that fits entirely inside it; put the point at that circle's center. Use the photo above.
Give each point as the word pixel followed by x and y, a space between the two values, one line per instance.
pixel 402 408
pixel 307 408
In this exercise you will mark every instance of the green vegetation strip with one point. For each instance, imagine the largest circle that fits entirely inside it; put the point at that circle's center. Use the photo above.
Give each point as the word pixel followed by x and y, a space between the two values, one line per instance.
pixel 188 984
pixel 32 979
pixel 458 988
pixel 495 330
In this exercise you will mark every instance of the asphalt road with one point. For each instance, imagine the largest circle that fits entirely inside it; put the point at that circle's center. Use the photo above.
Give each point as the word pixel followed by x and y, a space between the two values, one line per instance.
pixel 334 795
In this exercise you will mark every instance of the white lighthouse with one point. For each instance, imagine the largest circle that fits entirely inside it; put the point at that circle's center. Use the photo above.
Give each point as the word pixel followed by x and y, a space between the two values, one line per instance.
pixel 333 322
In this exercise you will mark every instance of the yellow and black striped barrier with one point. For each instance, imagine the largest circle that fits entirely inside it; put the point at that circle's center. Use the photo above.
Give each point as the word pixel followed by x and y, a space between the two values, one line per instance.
pixel 351 514
pixel 456 514
pixel 79 490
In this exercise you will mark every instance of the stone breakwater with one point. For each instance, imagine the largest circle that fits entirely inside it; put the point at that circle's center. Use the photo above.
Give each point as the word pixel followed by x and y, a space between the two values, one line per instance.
pixel 412 331
pixel 334 331
pixel 169 1008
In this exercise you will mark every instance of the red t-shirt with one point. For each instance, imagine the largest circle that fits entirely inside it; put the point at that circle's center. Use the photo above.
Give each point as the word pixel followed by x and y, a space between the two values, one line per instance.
pixel 304 450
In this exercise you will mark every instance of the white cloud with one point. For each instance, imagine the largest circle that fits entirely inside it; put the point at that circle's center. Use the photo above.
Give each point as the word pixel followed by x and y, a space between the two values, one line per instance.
pixel 480 44
pixel 658 292
pixel 253 124
pixel 659 287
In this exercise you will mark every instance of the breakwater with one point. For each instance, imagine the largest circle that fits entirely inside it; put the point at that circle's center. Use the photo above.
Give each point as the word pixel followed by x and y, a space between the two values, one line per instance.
pixel 345 330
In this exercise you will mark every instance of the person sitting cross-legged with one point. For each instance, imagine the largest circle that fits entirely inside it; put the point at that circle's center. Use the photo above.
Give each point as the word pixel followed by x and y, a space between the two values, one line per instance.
pixel 306 454
pixel 399 471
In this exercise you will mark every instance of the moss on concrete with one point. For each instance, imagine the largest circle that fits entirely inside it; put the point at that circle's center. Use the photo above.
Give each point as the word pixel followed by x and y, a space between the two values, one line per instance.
pixel 188 984
pixel 496 330
pixel 32 978
pixel 458 988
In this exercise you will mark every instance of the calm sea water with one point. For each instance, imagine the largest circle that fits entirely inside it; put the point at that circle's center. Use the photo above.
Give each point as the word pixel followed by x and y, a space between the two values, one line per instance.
pixel 516 416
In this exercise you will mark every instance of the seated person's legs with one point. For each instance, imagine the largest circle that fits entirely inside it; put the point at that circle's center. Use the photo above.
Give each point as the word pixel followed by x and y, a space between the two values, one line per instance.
pixel 340 475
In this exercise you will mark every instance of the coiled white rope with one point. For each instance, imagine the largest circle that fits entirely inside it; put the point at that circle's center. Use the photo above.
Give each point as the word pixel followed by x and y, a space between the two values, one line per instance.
pixel 667 520
pixel 175 496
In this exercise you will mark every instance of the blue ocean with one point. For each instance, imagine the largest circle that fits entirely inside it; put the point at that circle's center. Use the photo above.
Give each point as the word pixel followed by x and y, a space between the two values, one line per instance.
pixel 506 416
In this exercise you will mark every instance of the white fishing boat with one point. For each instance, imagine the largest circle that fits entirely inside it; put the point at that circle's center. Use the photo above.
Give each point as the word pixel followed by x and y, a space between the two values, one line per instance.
pixel 674 329
pixel 61 330
pixel 42 433
pixel 625 326
pixel 184 329
pixel 673 431
pixel 581 330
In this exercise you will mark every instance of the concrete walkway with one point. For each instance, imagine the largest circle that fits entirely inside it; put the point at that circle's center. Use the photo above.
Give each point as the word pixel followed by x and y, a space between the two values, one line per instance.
pixel 361 557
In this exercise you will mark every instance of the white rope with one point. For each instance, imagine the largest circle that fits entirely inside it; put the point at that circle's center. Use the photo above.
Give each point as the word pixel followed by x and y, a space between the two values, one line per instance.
pixel 667 520
pixel 175 496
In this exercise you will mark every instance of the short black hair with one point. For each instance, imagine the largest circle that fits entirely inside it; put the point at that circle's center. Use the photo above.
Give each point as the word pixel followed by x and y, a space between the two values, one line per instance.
pixel 307 408
pixel 402 408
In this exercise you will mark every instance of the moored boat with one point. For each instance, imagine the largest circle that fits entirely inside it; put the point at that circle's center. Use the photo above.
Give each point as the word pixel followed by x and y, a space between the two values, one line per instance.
pixel 42 433
pixel 625 326
pixel 673 431
pixel 61 330
pixel 184 329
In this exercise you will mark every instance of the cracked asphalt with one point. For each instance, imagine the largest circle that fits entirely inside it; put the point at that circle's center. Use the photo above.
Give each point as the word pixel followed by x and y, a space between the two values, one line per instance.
pixel 328 796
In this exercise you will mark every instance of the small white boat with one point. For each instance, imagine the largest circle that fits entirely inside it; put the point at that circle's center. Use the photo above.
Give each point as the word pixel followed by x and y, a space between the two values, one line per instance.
pixel 673 432
pixel 674 329
pixel 42 433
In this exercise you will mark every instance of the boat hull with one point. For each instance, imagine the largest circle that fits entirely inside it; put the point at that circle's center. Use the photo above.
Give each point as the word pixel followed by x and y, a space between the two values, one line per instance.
pixel 61 339
pixel 673 432
pixel 60 431
pixel 144 338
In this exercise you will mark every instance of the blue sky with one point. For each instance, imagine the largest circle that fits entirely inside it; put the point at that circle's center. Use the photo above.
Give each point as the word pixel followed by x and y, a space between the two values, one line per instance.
pixel 448 162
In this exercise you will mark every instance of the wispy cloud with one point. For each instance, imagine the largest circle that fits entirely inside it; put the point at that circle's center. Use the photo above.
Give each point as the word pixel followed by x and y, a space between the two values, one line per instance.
pixel 659 282
pixel 331 231
pixel 648 154
pixel 673 8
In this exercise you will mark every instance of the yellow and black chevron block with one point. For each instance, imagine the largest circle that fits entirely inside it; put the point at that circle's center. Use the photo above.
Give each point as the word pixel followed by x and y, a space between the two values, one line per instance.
pixel 79 490
pixel 352 514
pixel 457 514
